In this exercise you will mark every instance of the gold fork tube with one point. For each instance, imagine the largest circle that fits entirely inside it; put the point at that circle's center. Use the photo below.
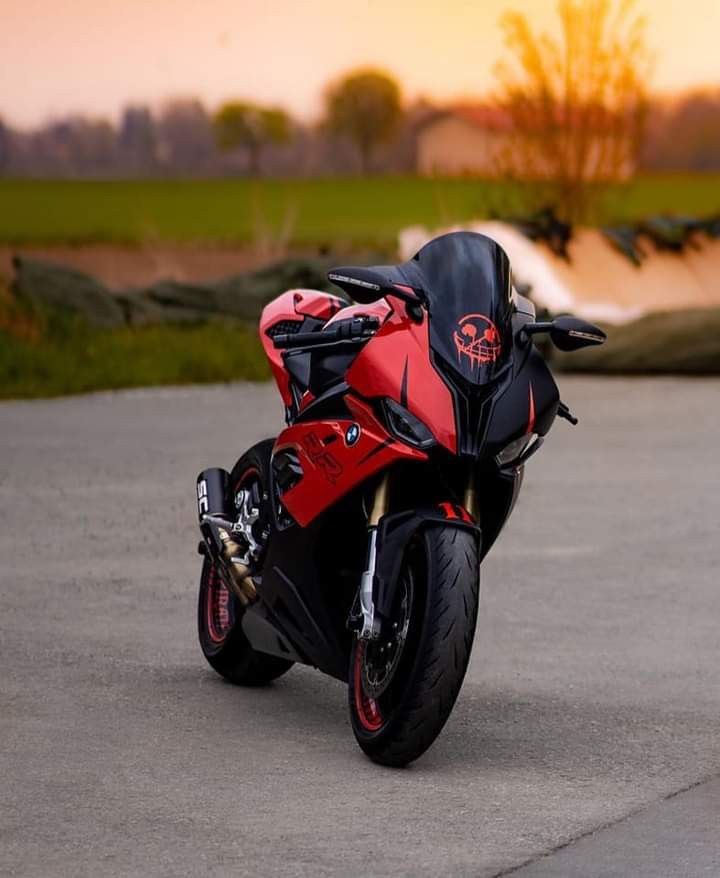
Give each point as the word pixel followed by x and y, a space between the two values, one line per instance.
pixel 470 499
pixel 380 502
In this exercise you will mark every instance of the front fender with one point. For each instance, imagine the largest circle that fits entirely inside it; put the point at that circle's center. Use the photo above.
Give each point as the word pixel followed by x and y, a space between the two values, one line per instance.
pixel 395 531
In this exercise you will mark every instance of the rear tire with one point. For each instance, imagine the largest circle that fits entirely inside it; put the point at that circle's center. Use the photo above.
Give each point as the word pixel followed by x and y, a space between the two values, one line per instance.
pixel 222 640
pixel 411 710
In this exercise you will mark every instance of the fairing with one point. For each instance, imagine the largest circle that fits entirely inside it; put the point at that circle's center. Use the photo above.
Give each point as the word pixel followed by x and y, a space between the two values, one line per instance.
pixel 395 364
pixel 464 279
pixel 331 465
pixel 474 390
pixel 294 308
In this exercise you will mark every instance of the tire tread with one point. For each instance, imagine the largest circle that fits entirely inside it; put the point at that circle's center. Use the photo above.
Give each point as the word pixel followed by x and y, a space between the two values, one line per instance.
pixel 443 651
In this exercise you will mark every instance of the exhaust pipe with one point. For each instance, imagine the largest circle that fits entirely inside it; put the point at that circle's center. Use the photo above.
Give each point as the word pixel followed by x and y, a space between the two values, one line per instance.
pixel 216 528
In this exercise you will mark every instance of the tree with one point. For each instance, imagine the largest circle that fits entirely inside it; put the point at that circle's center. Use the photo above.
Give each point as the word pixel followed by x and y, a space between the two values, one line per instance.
pixel 77 145
pixel 4 146
pixel 238 124
pixel 575 105
pixel 364 106
pixel 136 138
pixel 684 132
pixel 185 135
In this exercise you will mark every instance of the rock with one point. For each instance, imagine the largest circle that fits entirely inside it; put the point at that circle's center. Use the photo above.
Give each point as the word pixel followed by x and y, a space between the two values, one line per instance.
pixel 56 286
pixel 241 297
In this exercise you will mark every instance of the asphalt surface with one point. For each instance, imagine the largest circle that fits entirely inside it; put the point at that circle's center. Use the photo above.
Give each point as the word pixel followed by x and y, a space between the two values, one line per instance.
pixel 592 699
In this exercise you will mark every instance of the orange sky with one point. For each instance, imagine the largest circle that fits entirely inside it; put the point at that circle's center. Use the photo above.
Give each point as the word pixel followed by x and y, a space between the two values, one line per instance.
pixel 95 55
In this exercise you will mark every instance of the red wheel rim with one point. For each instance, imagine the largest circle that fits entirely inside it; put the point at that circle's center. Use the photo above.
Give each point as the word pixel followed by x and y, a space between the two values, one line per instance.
pixel 219 621
pixel 367 709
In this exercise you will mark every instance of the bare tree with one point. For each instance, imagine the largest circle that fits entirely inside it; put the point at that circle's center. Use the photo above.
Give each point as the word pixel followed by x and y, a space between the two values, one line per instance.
pixel 575 104
pixel 364 106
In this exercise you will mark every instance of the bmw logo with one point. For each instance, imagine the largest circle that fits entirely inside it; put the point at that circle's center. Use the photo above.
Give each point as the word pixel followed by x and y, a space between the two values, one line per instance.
pixel 352 434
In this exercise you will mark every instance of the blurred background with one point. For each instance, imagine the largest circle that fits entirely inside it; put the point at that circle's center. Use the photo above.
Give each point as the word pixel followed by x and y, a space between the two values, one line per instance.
pixel 167 168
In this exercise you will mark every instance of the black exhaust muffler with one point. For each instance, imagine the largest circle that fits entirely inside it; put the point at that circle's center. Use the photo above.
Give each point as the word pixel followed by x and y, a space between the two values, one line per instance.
pixel 216 527
pixel 211 493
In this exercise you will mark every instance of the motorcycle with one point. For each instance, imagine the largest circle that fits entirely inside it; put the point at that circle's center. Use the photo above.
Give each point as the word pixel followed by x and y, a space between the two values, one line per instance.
pixel 353 540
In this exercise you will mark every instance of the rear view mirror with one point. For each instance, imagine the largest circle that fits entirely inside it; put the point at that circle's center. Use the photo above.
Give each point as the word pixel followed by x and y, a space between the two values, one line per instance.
pixel 367 285
pixel 571 334
pixel 568 333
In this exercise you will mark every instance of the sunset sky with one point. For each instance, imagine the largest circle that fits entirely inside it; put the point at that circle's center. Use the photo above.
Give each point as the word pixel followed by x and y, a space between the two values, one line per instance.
pixel 95 55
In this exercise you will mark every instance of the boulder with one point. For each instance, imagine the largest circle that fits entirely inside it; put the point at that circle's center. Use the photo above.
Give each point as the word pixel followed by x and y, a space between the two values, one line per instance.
pixel 241 296
pixel 57 286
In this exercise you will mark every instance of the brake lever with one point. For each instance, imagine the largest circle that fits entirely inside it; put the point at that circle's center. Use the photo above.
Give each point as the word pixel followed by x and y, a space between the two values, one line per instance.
pixel 564 412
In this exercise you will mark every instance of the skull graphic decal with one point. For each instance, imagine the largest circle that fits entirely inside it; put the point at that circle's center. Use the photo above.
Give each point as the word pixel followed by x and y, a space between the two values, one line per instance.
pixel 477 338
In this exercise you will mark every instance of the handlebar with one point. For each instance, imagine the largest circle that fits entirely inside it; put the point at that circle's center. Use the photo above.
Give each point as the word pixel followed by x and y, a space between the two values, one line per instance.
pixel 564 412
pixel 353 330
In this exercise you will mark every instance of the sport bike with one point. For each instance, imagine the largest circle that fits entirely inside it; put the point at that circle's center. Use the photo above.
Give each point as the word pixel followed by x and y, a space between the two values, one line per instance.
pixel 352 541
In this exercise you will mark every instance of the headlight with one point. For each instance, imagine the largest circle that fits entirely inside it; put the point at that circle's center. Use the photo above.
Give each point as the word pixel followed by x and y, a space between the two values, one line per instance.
pixel 516 449
pixel 406 426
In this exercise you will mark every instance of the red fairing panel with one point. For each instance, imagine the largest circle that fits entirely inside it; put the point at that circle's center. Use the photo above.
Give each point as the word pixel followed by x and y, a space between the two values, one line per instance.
pixel 396 363
pixel 293 305
pixel 330 466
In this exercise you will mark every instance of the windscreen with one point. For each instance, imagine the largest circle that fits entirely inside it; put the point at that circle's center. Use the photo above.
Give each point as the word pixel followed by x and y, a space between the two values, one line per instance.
pixel 466 280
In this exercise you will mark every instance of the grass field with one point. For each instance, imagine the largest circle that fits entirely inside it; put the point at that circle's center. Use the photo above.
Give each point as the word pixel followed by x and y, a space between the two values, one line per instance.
pixel 46 353
pixel 87 360
pixel 315 212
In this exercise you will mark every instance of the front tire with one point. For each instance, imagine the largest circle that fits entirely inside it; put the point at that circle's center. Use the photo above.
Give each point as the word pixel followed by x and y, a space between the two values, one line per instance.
pixel 222 640
pixel 396 719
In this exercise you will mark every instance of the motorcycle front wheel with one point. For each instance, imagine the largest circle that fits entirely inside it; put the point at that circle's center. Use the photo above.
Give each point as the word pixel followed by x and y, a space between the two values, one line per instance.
pixel 402 687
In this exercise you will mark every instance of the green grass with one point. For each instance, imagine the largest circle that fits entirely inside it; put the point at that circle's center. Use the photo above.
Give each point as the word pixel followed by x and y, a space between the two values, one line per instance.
pixel 314 212
pixel 66 356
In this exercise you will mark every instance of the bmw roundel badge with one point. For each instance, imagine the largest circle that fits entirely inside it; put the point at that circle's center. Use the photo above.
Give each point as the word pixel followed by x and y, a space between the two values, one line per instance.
pixel 352 434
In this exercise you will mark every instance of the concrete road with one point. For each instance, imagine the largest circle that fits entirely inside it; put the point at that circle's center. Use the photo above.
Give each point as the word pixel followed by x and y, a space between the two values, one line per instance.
pixel 593 696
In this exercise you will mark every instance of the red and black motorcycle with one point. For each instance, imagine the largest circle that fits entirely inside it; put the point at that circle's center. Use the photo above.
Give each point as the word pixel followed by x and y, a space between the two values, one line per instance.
pixel 353 541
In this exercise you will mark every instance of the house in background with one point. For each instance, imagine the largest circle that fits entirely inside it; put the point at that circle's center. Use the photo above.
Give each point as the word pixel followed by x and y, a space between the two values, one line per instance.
pixel 476 140
pixel 462 141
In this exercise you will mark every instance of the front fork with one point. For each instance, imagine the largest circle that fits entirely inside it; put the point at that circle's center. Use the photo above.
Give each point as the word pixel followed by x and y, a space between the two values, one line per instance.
pixel 369 628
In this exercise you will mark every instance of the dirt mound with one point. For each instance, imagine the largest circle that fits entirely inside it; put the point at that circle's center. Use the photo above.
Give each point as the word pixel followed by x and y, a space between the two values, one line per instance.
pixel 665 342
pixel 240 296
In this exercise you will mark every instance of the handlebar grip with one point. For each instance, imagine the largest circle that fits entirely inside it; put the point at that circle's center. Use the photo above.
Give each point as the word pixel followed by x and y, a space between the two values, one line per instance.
pixel 345 330
pixel 300 339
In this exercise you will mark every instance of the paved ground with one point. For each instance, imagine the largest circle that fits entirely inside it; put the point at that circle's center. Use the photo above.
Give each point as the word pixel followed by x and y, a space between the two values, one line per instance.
pixel 593 696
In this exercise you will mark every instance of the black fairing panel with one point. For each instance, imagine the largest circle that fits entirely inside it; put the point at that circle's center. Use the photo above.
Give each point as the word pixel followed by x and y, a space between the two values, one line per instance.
pixel 497 493
pixel 308 583
pixel 528 403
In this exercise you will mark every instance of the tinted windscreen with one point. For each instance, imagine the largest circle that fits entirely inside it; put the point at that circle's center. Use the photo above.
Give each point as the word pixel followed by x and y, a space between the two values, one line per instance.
pixel 466 279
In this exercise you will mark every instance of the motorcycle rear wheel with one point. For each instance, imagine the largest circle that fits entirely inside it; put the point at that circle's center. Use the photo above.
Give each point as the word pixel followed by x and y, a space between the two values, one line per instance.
pixel 396 717
pixel 222 640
